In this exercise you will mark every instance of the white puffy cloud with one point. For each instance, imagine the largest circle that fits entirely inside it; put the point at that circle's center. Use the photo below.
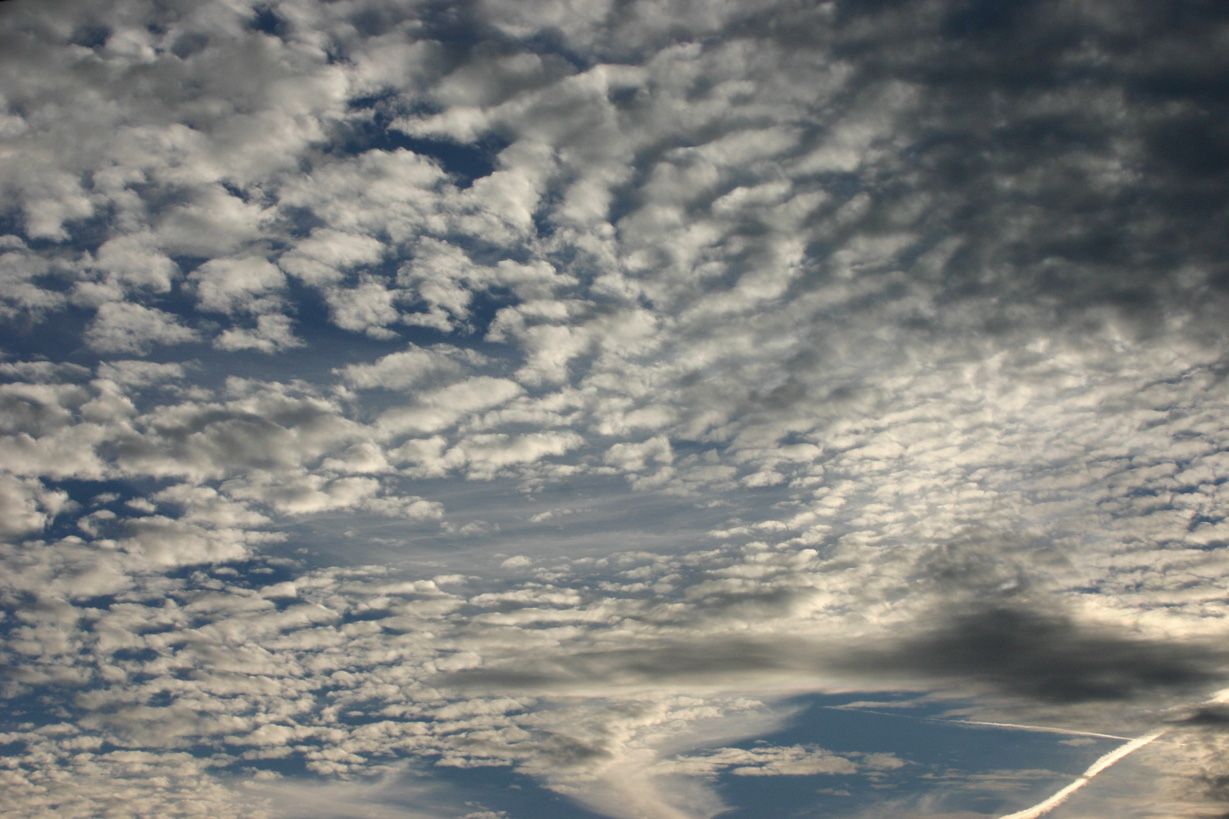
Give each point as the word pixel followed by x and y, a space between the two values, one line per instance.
pixel 634 457
pixel 398 371
pixel 125 327
pixel 136 261
pixel 20 272
pixel 367 307
pixel 166 541
pixel 299 493
pixel 486 454
pixel 236 284
pixel 357 196
pixel 166 784
pixel 270 428
pixel 271 334
pixel 26 505
pixel 443 408
pixel 323 257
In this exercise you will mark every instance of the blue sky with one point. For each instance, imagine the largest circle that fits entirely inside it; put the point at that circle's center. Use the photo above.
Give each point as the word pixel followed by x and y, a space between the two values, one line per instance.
pixel 643 410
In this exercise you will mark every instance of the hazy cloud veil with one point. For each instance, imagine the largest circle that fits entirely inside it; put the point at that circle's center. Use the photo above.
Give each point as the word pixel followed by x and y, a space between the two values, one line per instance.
pixel 569 408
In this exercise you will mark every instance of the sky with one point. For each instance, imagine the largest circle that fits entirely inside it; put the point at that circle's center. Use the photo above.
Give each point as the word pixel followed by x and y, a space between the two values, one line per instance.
pixel 625 409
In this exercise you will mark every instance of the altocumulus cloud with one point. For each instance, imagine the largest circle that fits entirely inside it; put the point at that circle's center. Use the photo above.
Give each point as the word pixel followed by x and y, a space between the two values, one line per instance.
pixel 402 399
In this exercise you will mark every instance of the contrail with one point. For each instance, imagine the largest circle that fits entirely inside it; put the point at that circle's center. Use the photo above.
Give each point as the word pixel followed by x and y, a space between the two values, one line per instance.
pixel 1046 729
pixel 1042 808
pixel 1041 728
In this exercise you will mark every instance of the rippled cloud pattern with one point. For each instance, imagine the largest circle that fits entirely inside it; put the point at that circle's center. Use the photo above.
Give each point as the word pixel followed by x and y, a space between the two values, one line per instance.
pixel 657 409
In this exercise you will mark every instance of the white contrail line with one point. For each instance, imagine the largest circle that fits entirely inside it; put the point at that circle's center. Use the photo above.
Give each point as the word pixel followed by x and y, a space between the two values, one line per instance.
pixel 1047 729
pixel 1042 808
pixel 1042 728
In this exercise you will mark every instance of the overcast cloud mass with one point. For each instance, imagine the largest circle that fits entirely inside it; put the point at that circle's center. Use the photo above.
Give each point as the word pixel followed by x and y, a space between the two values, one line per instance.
pixel 657 409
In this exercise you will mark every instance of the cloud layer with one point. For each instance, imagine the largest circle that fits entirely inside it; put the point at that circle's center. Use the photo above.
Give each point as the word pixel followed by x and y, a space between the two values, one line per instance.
pixel 393 389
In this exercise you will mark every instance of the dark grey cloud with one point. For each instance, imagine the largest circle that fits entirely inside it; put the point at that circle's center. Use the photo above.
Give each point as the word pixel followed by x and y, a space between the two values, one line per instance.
pixel 707 659
pixel 1048 656
pixel 1075 149
pixel 1008 649
pixel 1210 716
